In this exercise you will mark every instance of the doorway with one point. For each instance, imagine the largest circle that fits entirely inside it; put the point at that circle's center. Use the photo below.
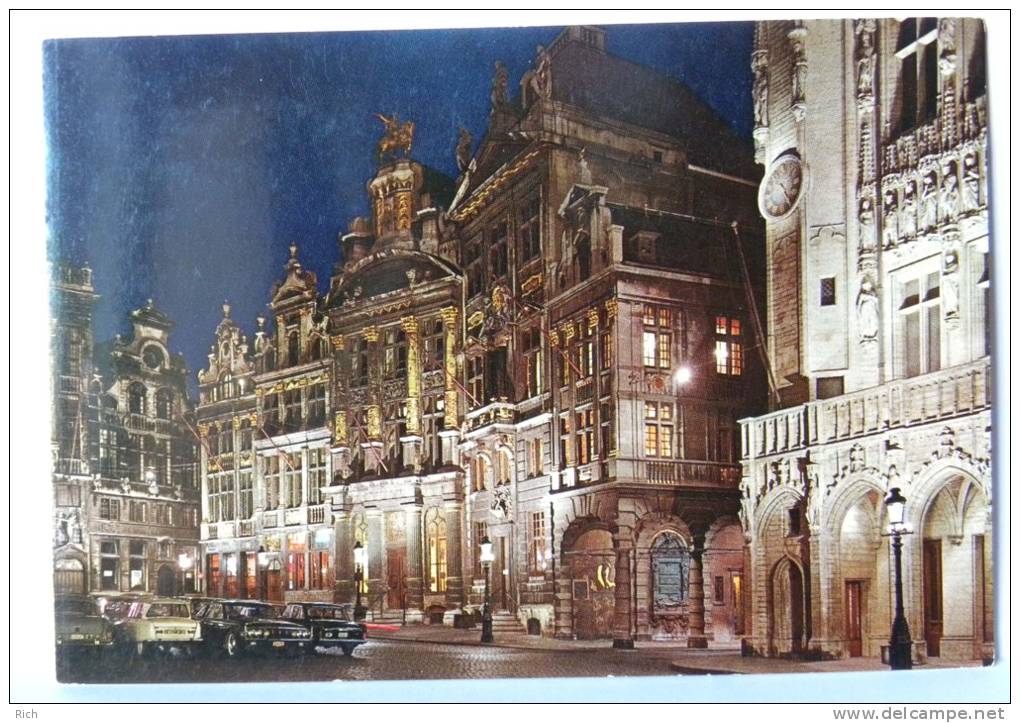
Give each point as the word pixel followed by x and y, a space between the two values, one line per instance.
pixel 854 618
pixel 396 576
pixel 165 582
pixel 933 597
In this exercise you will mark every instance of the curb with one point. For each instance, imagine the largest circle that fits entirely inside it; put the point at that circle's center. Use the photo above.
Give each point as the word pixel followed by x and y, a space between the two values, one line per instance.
pixel 466 643
pixel 691 670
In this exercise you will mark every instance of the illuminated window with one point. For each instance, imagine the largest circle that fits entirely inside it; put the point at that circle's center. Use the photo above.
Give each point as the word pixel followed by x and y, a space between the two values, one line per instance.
pixel 136 398
pixel 536 461
pixel 533 362
pixel 585 432
pixel 296 564
pixel 729 350
pixel 435 531
pixel 920 322
pixel 658 429
pixel 538 555
pixel 656 341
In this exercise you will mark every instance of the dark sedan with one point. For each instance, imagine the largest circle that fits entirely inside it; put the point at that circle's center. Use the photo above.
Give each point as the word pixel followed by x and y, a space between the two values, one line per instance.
pixel 235 627
pixel 330 625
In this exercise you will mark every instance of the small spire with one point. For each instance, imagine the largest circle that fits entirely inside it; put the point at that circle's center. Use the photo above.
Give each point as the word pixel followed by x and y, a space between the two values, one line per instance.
pixel 226 309
pixel 261 320
pixel 293 250
pixel 148 303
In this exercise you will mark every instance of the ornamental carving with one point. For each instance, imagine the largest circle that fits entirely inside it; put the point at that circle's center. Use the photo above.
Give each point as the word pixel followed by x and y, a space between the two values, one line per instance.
pixel 867 312
pixel 397 136
pixel 501 501
pixel 798 75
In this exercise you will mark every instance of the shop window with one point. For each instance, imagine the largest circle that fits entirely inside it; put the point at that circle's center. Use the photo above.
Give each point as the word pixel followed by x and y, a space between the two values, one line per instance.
pixel 137 564
pixel 109 565
pixel 435 532
pixel 296 565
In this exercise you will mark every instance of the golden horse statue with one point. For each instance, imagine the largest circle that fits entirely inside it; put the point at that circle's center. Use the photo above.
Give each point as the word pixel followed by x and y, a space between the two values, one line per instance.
pixel 397 136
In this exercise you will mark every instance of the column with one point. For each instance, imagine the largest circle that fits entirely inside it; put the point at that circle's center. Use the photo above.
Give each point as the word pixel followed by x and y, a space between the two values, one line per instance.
pixel 411 445
pixel 203 468
pixel 343 557
pixel 414 603
pixel 303 456
pixel 696 637
pixel 622 637
pixel 376 549
pixel 454 512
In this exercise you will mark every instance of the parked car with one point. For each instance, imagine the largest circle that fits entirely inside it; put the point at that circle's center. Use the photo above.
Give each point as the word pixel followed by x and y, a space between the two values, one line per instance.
pixel 330 625
pixel 235 627
pixel 195 602
pixel 159 624
pixel 79 625
pixel 114 606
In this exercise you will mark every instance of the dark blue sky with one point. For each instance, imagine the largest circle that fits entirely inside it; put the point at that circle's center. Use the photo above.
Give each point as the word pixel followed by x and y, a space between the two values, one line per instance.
pixel 181 168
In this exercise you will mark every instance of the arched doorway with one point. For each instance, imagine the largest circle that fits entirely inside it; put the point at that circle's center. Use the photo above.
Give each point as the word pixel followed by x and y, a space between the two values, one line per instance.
pixel 165 582
pixel 68 576
pixel 591 562
pixel 671 568
pixel 956 575
pixel 862 584
pixel 787 609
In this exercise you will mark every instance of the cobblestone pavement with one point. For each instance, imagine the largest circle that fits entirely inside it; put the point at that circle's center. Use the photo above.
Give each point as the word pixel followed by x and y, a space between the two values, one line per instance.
pixel 376 660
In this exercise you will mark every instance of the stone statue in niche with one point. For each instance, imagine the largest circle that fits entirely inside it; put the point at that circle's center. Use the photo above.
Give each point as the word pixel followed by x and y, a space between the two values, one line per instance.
pixel 866 64
pixel 856 458
pixel 760 90
pixel 908 211
pixel 971 182
pixel 929 201
pixel 950 285
pixel 949 198
pixel 867 311
pixel 890 219
pixel 866 216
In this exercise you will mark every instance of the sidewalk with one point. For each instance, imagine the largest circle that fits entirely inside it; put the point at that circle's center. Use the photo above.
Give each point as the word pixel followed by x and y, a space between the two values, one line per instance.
pixel 684 660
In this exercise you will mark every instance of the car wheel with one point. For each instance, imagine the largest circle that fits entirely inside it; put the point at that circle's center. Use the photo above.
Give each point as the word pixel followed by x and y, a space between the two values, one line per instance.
pixel 231 645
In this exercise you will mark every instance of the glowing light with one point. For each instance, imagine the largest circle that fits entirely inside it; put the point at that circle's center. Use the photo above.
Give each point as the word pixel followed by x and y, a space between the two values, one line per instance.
pixel 683 375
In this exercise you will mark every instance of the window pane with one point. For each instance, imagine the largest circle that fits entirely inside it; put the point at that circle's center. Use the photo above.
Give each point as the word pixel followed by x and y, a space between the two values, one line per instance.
pixel 912 345
pixel 665 347
pixel 934 339
pixel 666 441
pixel 651 440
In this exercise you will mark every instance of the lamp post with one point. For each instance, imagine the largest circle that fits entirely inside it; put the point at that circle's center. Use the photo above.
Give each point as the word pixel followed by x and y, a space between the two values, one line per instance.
pixel 263 559
pixel 184 563
pixel 360 561
pixel 899 642
pixel 486 557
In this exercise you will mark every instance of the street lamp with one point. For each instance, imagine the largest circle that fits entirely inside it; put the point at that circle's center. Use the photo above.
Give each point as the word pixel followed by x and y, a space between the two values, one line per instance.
pixel 683 375
pixel 899 642
pixel 486 557
pixel 263 558
pixel 184 563
pixel 360 562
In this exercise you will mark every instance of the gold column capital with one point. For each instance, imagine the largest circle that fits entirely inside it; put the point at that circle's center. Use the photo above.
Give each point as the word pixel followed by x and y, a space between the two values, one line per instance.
pixel 337 340
pixel 371 333
pixel 449 314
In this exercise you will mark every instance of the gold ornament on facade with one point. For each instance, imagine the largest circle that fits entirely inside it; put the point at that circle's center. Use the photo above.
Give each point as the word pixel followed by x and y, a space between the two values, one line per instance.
pixel 532 284
pixel 371 333
pixel 374 415
pixel 611 309
pixel 403 211
pixel 475 319
pixel 337 340
pixel 340 428
pixel 397 136
pixel 593 319
pixel 449 314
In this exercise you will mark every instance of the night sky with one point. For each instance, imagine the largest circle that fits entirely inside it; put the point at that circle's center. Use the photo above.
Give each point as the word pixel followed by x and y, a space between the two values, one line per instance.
pixel 181 168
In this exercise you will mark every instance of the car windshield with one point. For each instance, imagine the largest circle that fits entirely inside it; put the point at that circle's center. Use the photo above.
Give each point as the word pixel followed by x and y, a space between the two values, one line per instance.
pixel 167 610
pixel 75 607
pixel 250 612
pixel 117 608
pixel 325 612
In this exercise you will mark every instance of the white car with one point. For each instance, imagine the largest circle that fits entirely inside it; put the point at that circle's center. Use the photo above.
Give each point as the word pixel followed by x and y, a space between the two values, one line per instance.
pixel 159 624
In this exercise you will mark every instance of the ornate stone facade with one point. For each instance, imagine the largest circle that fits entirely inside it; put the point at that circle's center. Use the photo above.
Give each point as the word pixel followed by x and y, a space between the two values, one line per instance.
pixel 890 387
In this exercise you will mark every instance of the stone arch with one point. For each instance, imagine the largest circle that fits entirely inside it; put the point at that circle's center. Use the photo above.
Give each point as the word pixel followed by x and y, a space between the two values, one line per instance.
pixel 589 564
pixel 787 610
pixel 578 527
pixel 724 580
pixel 650 527
pixel 950 550
pixel 767 507
pixel 847 496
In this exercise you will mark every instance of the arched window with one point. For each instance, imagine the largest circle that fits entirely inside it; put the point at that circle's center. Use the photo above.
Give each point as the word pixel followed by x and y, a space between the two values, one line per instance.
pixel 671 565
pixel 435 533
pixel 293 348
pixel 164 404
pixel 136 398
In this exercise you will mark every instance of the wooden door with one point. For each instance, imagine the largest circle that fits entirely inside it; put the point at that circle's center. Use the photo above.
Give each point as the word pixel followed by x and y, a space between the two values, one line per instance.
pixel 165 581
pixel 854 619
pixel 933 597
pixel 737 594
pixel 498 580
pixel 396 576
pixel 274 582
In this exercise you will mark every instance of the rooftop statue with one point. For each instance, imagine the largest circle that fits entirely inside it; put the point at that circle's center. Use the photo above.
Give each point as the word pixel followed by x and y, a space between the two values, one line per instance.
pixel 396 137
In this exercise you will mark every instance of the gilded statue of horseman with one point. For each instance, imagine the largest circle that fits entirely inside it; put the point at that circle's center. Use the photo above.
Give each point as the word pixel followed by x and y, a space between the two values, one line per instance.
pixel 397 137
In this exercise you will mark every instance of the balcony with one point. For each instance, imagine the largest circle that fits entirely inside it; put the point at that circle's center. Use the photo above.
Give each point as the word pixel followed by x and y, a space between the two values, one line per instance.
pixel 295 516
pixel 501 412
pixel 246 528
pixel 142 423
pixel 940 395
pixel 270 519
pixel 317 515
pixel 70 465
pixel 584 390
pixel 682 472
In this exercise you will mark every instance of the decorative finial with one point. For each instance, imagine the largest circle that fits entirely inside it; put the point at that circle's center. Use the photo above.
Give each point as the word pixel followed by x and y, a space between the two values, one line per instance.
pixel 226 309
pixel 261 321
pixel 148 303
pixel 293 250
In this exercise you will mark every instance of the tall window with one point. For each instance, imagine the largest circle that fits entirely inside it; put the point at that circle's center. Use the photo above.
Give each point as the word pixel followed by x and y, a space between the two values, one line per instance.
pixel 271 413
pixel 109 508
pixel 658 429
pixel 537 544
pixel 292 409
pixel 479 470
pixel 296 564
pixel 502 467
pixel 316 474
pixel 566 448
pixel 481 532
pixel 293 348
pixel 109 565
pixel 271 475
pixel 586 351
pixel 606 350
pixel 136 511
pixel 536 457
pixel 608 437
pixel 533 362
pixel 212 572
pixel 474 267
pixel 982 303
pixel 729 350
pixel 359 362
pixel 136 564
pixel 529 230
pixel 245 495
pixel 435 532
pixel 164 403
pixel 316 405
pixel 395 353
pixel 136 398
pixel 918 53
pixel 476 380
pixel 498 254
pixel 920 311
pixel 320 571
pixel 108 452
pixel 657 339
pixel 585 436
pixel 434 340
pixel 292 475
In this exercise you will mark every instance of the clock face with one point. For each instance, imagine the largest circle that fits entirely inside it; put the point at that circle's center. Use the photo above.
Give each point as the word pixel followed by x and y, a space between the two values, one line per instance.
pixel 152 357
pixel 781 188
